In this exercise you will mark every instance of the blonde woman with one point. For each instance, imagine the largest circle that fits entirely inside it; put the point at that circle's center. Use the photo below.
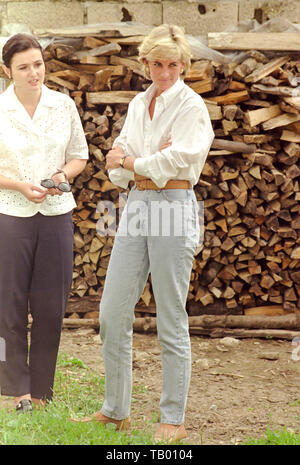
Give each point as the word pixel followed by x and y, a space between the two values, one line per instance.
pixel 163 146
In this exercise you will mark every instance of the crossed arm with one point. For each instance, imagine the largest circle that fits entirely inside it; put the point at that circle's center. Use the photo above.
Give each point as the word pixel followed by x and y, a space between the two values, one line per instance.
pixel 114 156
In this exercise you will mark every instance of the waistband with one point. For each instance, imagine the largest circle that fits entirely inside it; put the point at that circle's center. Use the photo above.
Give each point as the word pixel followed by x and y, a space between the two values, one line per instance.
pixel 143 183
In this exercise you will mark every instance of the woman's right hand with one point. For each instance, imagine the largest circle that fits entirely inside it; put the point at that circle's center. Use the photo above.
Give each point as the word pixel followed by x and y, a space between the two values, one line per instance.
pixel 32 192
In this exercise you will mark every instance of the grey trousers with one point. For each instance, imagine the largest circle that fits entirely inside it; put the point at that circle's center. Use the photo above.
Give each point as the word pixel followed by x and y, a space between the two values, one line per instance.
pixel 158 233
pixel 35 272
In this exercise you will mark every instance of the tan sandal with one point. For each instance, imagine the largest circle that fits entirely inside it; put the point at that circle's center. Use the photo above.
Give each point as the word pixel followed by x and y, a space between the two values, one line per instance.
pixel 169 433
pixel 122 425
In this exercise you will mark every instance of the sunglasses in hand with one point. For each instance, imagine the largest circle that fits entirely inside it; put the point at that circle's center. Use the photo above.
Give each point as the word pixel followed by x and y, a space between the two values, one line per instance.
pixel 50 184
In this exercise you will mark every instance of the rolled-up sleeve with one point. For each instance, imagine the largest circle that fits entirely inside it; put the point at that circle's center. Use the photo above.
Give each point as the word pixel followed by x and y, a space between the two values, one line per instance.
pixel 191 136
pixel 120 176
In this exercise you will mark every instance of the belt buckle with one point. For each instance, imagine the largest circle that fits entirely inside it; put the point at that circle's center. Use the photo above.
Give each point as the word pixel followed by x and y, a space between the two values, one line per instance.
pixel 140 186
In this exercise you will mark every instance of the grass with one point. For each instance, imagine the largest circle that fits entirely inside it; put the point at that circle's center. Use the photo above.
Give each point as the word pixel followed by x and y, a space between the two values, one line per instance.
pixel 276 438
pixel 79 391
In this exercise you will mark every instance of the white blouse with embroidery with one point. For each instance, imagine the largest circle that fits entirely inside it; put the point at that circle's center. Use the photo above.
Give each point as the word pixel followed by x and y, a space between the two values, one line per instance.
pixel 33 149
pixel 180 115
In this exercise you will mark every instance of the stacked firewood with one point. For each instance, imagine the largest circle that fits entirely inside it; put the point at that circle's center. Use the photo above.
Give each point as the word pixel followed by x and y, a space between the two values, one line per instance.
pixel 251 250
pixel 249 185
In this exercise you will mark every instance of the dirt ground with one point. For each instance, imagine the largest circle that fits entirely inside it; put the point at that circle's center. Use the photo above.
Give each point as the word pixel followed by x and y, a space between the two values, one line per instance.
pixel 239 387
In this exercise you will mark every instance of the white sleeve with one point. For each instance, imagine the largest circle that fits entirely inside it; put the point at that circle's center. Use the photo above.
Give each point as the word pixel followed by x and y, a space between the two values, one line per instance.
pixel 77 146
pixel 121 176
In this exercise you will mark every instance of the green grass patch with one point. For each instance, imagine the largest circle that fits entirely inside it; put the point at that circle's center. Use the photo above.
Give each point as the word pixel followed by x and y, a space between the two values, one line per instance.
pixel 79 392
pixel 276 438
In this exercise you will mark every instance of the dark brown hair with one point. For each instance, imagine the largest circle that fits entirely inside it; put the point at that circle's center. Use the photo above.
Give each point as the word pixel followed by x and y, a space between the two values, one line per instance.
pixel 16 44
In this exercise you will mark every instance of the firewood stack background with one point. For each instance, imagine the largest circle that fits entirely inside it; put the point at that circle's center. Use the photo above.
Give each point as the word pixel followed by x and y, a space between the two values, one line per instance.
pixel 249 261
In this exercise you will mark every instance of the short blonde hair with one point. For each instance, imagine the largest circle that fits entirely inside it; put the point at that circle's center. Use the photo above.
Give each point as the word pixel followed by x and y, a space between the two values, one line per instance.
pixel 165 42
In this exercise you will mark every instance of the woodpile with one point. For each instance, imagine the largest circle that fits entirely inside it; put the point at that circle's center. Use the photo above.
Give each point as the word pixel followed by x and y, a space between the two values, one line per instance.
pixel 250 183
pixel 251 247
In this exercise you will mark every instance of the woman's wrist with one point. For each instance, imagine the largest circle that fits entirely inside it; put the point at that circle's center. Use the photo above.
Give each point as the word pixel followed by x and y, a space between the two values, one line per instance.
pixel 59 171
pixel 129 163
pixel 16 185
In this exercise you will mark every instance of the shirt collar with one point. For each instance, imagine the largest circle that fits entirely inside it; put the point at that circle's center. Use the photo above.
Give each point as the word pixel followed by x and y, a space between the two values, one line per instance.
pixel 47 97
pixel 12 102
pixel 165 96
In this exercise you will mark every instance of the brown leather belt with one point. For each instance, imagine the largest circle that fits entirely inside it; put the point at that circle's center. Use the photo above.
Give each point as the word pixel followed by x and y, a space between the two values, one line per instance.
pixel 143 184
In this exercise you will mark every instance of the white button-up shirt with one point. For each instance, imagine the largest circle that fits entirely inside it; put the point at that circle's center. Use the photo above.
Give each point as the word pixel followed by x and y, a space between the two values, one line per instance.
pixel 180 115
pixel 33 149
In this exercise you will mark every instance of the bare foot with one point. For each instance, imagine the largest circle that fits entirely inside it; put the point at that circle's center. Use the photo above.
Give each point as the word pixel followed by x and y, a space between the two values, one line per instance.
pixel 38 402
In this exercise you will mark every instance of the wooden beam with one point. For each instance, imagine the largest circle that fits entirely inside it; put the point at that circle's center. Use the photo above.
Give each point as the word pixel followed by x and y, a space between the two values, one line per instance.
pixel 285 41
pixel 103 30
pixel 110 97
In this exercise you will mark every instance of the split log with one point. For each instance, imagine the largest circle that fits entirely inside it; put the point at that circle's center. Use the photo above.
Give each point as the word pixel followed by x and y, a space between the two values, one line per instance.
pixel 103 50
pixel 230 98
pixel 279 121
pixel 255 117
pixel 201 87
pixel 289 136
pixel 280 90
pixel 267 69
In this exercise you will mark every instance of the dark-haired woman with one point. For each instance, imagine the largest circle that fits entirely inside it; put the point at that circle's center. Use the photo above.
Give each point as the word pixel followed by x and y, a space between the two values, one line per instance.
pixel 41 138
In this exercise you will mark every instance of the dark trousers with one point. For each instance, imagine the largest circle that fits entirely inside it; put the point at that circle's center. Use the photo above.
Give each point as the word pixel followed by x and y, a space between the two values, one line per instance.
pixel 36 260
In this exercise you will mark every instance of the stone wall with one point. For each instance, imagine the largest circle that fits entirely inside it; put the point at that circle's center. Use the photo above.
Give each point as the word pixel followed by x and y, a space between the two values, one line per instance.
pixel 197 16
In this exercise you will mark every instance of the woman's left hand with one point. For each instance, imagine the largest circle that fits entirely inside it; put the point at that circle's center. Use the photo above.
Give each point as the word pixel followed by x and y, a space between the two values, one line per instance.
pixel 113 158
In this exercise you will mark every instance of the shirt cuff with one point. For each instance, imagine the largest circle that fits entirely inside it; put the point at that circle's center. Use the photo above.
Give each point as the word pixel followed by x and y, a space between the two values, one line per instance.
pixel 140 166
pixel 121 177
pixel 143 168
